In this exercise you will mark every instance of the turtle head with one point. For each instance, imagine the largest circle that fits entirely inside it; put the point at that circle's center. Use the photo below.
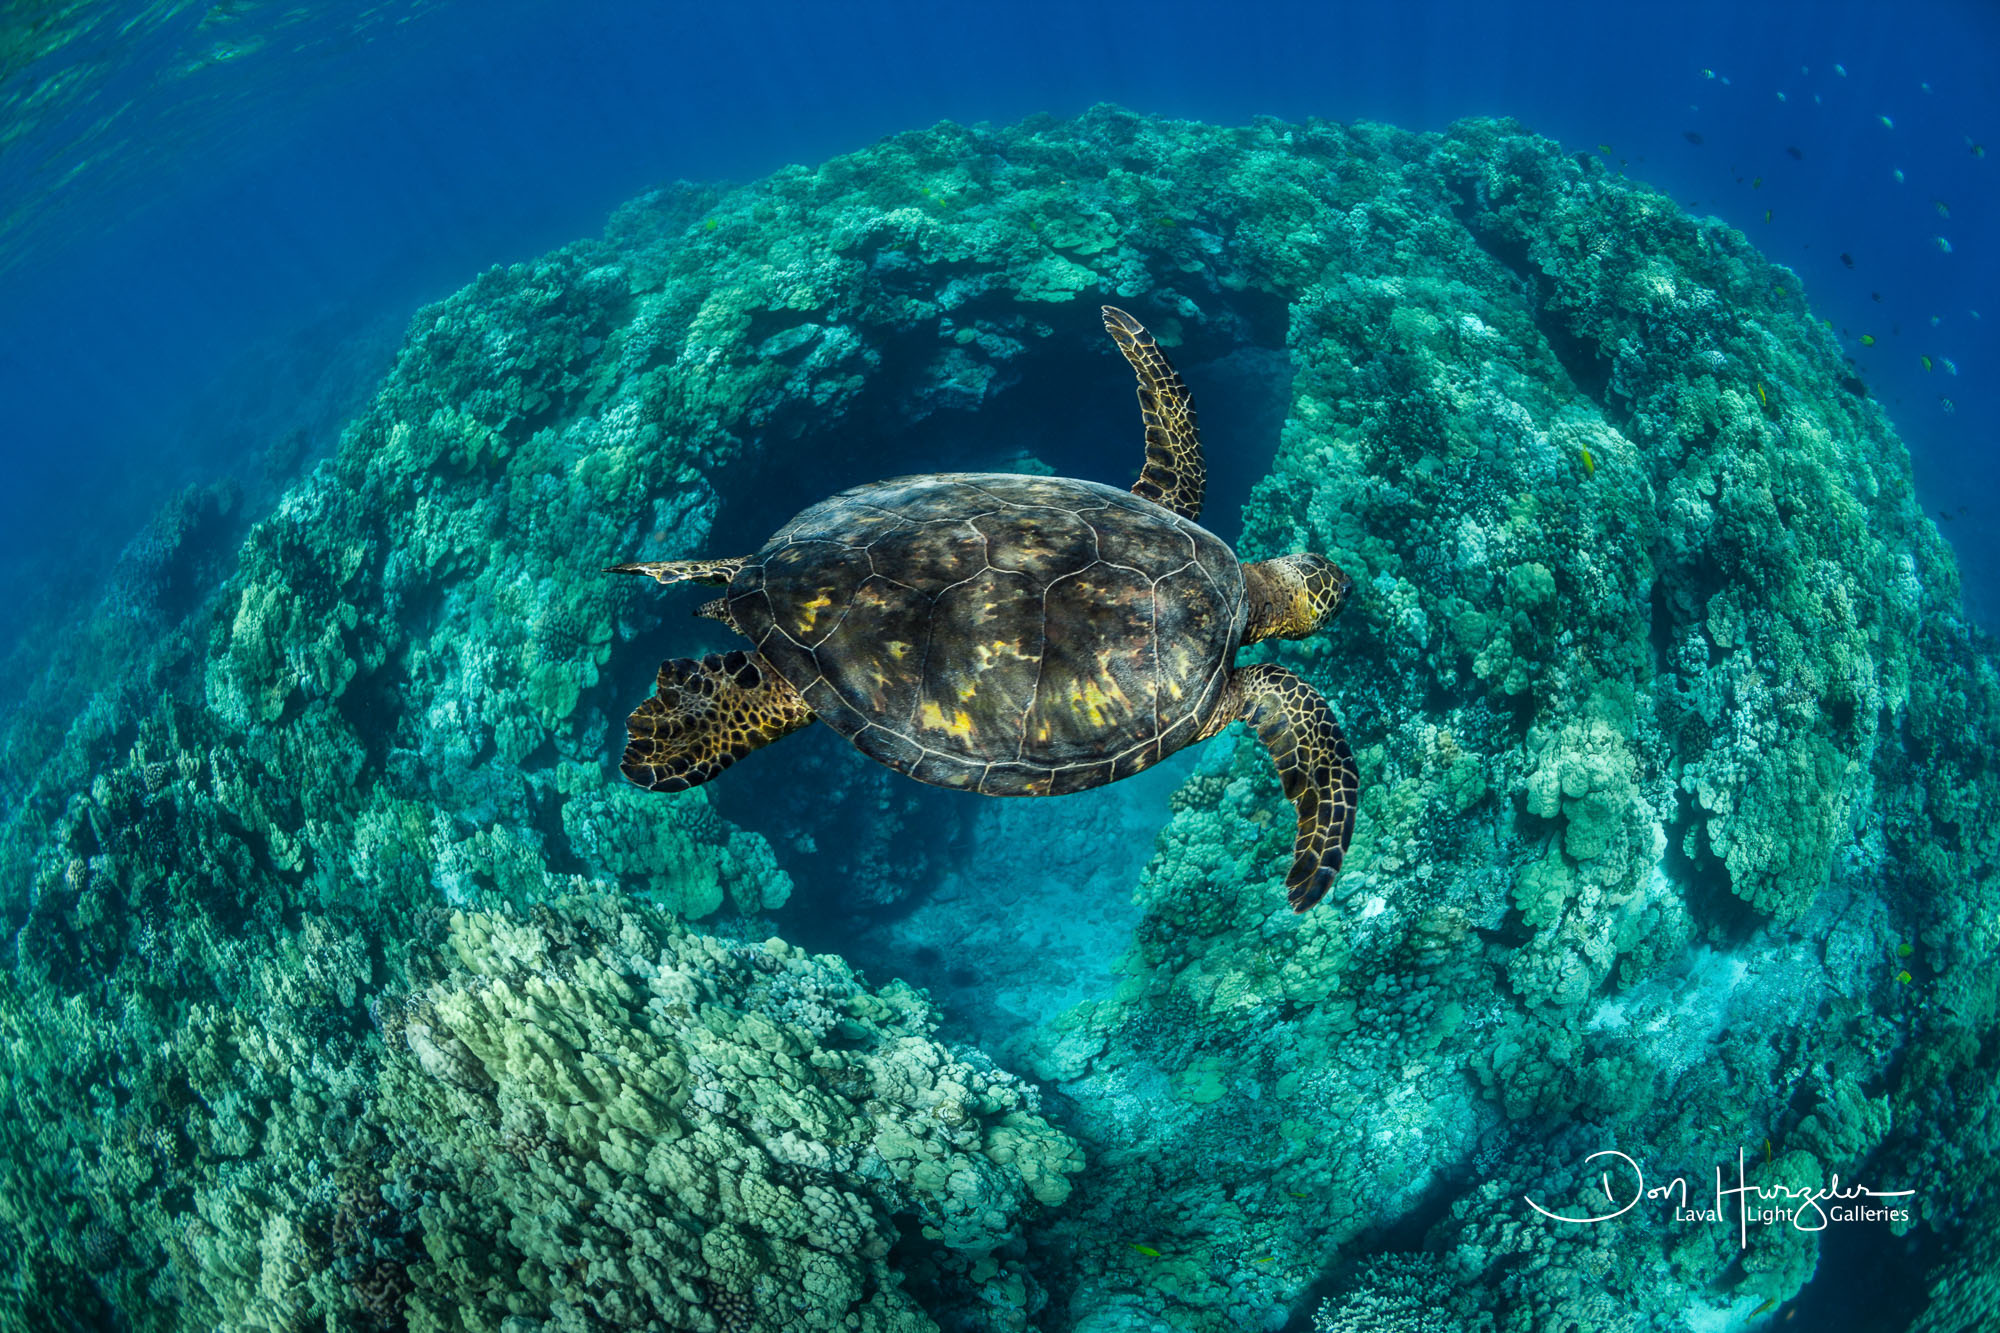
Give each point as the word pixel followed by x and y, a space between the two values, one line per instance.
pixel 1292 596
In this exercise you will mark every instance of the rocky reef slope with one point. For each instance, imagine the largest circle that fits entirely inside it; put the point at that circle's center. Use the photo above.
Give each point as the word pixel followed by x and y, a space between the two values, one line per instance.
pixel 348 982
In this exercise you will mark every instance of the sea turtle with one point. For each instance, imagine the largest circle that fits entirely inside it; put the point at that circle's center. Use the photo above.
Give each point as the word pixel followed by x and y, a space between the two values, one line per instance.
pixel 1014 635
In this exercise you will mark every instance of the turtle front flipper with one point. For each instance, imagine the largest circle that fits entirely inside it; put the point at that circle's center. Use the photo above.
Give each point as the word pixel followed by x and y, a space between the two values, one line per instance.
pixel 1174 475
pixel 1314 764
pixel 684 571
pixel 704 716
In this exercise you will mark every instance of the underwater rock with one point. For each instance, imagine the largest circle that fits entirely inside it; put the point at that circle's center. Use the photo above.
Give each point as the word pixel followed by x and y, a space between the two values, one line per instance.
pixel 1675 750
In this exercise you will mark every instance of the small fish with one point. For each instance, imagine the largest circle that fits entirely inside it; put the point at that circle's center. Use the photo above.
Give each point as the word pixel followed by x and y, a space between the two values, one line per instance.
pixel 1936 320
pixel 1876 297
pixel 1973 313
pixel 1887 123
pixel 1926 360
pixel 1795 154
pixel 1760 394
pixel 1781 96
pixel 1950 366
pixel 1978 149
pixel 1757 184
pixel 1298 1194
pixel 1944 245
pixel 1947 404
pixel 1589 463
pixel 1769 1301
pixel 1767 1151
pixel 1925 86
pixel 1767 215
pixel 1816 100
pixel 1724 80
pixel 1605 149
pixel 1847 259
pixel 1905 949
pixel 1943 210
pixel 1146 1250
pixel 1708 74
pixel 1902 978
pixel 1898 174
pixel 1691 137
pixel 1841 70
pixel 1943 515
pixel 1867 340
pixel 1267 1259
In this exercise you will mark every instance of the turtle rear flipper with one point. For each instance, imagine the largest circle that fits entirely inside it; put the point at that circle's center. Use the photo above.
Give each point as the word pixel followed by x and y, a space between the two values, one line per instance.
pixel 684 571
pixel 692 571
pixel 1174 475
pixel 718 609
pixel 1314 764
pixel 705 715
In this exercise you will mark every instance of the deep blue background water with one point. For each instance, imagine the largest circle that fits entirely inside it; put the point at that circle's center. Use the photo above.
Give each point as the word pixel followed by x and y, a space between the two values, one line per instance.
pixel 263 199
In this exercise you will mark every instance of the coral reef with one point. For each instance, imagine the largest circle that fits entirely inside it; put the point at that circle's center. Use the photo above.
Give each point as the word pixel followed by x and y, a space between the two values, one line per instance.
pixel 1638 698
pixel 346 983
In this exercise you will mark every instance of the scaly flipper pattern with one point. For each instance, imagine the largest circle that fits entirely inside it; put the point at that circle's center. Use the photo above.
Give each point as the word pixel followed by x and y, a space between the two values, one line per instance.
pixel 705 715
pixel 1174 475
pixel 1314 764
pixel 718 609
pixel 684 571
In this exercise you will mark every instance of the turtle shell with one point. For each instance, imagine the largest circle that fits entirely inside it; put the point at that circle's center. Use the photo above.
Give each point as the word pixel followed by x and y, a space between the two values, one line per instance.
pixel 1014 635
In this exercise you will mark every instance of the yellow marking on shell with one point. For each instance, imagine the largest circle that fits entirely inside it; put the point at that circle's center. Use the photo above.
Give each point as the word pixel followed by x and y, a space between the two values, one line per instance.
pixel 967 690
pixel 1088 699
pixel 809 611
pixel 1117 694
pixel 898 649
pixel 959 725
pixel 986 656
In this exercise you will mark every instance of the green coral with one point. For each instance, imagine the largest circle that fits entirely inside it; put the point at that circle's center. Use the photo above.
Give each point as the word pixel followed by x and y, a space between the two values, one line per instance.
pixel 634 1122
pixel 1603 583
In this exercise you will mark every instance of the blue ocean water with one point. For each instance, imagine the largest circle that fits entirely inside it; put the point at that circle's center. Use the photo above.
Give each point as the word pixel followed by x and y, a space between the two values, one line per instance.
pixel 207 204
pixel 218 219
